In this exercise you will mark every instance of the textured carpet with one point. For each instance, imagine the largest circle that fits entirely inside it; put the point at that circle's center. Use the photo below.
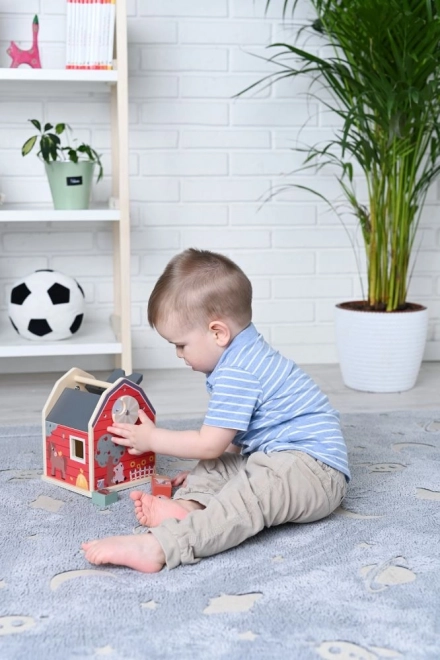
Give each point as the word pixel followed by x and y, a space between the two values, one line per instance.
pixel 363 584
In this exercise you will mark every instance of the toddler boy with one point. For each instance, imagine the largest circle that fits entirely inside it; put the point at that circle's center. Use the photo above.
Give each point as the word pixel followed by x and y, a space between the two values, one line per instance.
pixel 292 462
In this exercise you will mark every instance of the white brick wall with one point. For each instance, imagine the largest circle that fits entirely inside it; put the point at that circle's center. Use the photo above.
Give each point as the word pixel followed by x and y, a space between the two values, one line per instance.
pixel 202 164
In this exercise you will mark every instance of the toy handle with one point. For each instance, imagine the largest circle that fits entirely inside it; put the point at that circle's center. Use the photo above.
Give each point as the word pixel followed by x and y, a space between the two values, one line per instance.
pixel 92 381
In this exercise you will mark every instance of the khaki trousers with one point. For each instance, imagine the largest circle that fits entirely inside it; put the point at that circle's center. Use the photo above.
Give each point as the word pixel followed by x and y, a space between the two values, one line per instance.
pixel 242 495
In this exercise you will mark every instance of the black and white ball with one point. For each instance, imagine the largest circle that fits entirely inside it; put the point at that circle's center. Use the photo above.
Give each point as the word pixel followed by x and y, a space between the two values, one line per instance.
pixel 46 305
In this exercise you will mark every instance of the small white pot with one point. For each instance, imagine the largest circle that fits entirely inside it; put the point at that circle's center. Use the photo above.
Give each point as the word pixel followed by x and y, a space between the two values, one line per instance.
pixel 380 351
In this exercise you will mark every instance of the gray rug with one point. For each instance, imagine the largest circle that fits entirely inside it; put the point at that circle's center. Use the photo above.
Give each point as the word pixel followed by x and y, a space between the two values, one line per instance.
pixel 363 584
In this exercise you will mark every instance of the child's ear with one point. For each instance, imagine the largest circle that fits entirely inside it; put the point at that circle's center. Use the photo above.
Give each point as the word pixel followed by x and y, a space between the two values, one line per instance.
pixel 221 332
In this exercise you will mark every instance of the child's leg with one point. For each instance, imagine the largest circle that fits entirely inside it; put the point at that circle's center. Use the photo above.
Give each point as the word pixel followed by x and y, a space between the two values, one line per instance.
pixel 141 552
pixel 270 490
pixel 204 481
pixel 209 477
pixel 274 488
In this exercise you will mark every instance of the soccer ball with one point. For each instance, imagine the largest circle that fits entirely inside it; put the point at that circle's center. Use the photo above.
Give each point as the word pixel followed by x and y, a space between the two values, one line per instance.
pixel 46 305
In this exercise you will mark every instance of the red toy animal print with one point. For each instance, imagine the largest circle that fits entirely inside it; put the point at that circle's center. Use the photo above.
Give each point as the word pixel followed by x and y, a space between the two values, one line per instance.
pixel 57 461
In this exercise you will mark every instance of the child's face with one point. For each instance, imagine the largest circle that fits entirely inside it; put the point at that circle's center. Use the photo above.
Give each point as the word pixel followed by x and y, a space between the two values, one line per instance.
pixel 197 345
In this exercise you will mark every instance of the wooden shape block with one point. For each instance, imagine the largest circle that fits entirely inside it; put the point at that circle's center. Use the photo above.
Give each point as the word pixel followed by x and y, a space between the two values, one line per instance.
pixel 104 497
pixel 161 486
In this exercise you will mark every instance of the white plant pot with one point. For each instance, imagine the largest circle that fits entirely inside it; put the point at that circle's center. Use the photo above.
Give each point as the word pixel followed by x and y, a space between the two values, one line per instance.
pixel 380 351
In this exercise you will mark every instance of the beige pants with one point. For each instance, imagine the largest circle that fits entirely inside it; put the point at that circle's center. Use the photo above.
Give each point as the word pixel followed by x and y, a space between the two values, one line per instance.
pixel 242 495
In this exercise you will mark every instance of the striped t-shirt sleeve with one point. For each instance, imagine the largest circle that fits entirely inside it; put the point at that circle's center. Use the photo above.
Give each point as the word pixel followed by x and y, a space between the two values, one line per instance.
pixel 234 398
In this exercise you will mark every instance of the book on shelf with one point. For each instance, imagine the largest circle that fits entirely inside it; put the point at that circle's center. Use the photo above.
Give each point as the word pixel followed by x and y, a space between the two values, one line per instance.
pixel 90 32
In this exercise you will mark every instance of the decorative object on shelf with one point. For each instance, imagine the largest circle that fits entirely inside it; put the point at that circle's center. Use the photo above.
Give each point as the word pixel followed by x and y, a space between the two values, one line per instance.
pixel 78 452
pixel 70 184
pixel 46 306
pixel 69 168
pixel 379 65
pixel 90 29
pixel 31 56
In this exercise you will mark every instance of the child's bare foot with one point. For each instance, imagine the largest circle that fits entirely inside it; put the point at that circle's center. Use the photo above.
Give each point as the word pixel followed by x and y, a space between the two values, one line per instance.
pixel 141 552
pixel 151 511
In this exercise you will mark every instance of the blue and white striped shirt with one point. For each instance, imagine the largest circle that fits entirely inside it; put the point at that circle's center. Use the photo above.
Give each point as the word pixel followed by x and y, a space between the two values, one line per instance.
pixel 272 403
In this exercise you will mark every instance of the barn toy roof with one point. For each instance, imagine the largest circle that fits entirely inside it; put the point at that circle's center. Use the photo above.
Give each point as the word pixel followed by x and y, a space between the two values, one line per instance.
pixel 75 408
pixel 120 383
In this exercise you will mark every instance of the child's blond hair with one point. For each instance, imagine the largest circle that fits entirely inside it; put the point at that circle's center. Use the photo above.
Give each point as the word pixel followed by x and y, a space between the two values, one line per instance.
pixel 201 286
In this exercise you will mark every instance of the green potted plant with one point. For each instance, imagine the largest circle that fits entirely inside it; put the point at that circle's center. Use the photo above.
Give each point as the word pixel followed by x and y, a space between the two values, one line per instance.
pixel 69 168
pixel 379 64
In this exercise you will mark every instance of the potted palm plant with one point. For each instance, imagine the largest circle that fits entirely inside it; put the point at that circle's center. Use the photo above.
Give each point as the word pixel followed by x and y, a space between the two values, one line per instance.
pixel 380 67
pixel 69 168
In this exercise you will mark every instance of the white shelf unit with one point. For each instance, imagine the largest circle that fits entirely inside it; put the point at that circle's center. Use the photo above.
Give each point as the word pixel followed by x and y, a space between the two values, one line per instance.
pixel 95 339
pixel 114 337
pixel 11 213
pixel 60 75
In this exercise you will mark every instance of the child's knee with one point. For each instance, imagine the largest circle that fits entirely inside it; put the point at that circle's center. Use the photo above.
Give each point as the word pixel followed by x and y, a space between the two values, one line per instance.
pixel 324 491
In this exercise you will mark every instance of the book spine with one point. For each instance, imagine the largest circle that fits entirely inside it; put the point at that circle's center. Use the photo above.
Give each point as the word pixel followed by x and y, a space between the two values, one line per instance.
pixel 74 62
pixel 82 35
pixel 78 57
pixel 98 33
pixel 105 32
pixel 102 28
pixel 93 35
pixel 111 33
pixel 69 34
pixel 87 27
pixel 88 34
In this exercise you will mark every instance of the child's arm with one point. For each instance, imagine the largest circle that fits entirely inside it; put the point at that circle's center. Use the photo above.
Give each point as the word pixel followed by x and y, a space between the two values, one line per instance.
pixel 233 449
pixel 208 442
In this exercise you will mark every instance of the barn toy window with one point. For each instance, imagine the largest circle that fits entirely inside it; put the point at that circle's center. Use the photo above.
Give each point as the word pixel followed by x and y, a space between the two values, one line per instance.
pixel 77 449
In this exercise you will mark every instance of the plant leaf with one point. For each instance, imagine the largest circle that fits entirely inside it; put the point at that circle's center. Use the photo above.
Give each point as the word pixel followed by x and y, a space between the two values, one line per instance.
pixel 28 145
pixel 73 156
pixel 53 150
pixel 93 156
pixel 55 139
pixel 36 123
pixel 45 148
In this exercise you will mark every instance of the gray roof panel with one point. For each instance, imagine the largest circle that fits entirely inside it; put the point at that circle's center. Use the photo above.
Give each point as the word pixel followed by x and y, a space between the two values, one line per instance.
pixel 74 409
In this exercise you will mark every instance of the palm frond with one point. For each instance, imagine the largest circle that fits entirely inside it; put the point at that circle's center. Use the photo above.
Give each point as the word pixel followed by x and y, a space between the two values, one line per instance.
pixel 382 68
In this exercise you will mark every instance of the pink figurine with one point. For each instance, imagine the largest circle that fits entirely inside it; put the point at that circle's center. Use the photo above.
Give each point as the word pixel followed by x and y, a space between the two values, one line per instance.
pixel 31 56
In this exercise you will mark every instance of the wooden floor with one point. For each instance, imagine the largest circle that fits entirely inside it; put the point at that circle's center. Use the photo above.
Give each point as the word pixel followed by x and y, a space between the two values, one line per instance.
pixel 180 393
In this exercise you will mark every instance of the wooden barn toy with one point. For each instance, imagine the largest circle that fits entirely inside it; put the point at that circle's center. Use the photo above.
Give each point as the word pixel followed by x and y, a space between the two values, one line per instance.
pixel 78 451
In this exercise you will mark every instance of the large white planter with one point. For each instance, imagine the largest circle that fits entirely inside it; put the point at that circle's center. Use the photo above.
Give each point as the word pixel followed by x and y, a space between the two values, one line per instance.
pixel 380 351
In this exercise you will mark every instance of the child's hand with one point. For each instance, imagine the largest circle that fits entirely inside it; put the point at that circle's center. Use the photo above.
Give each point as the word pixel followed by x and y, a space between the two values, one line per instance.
pixel 180 479
pixel 134 436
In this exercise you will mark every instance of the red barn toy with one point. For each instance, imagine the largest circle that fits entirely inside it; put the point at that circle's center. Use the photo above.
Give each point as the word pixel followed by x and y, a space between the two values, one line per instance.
pixel 78 451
